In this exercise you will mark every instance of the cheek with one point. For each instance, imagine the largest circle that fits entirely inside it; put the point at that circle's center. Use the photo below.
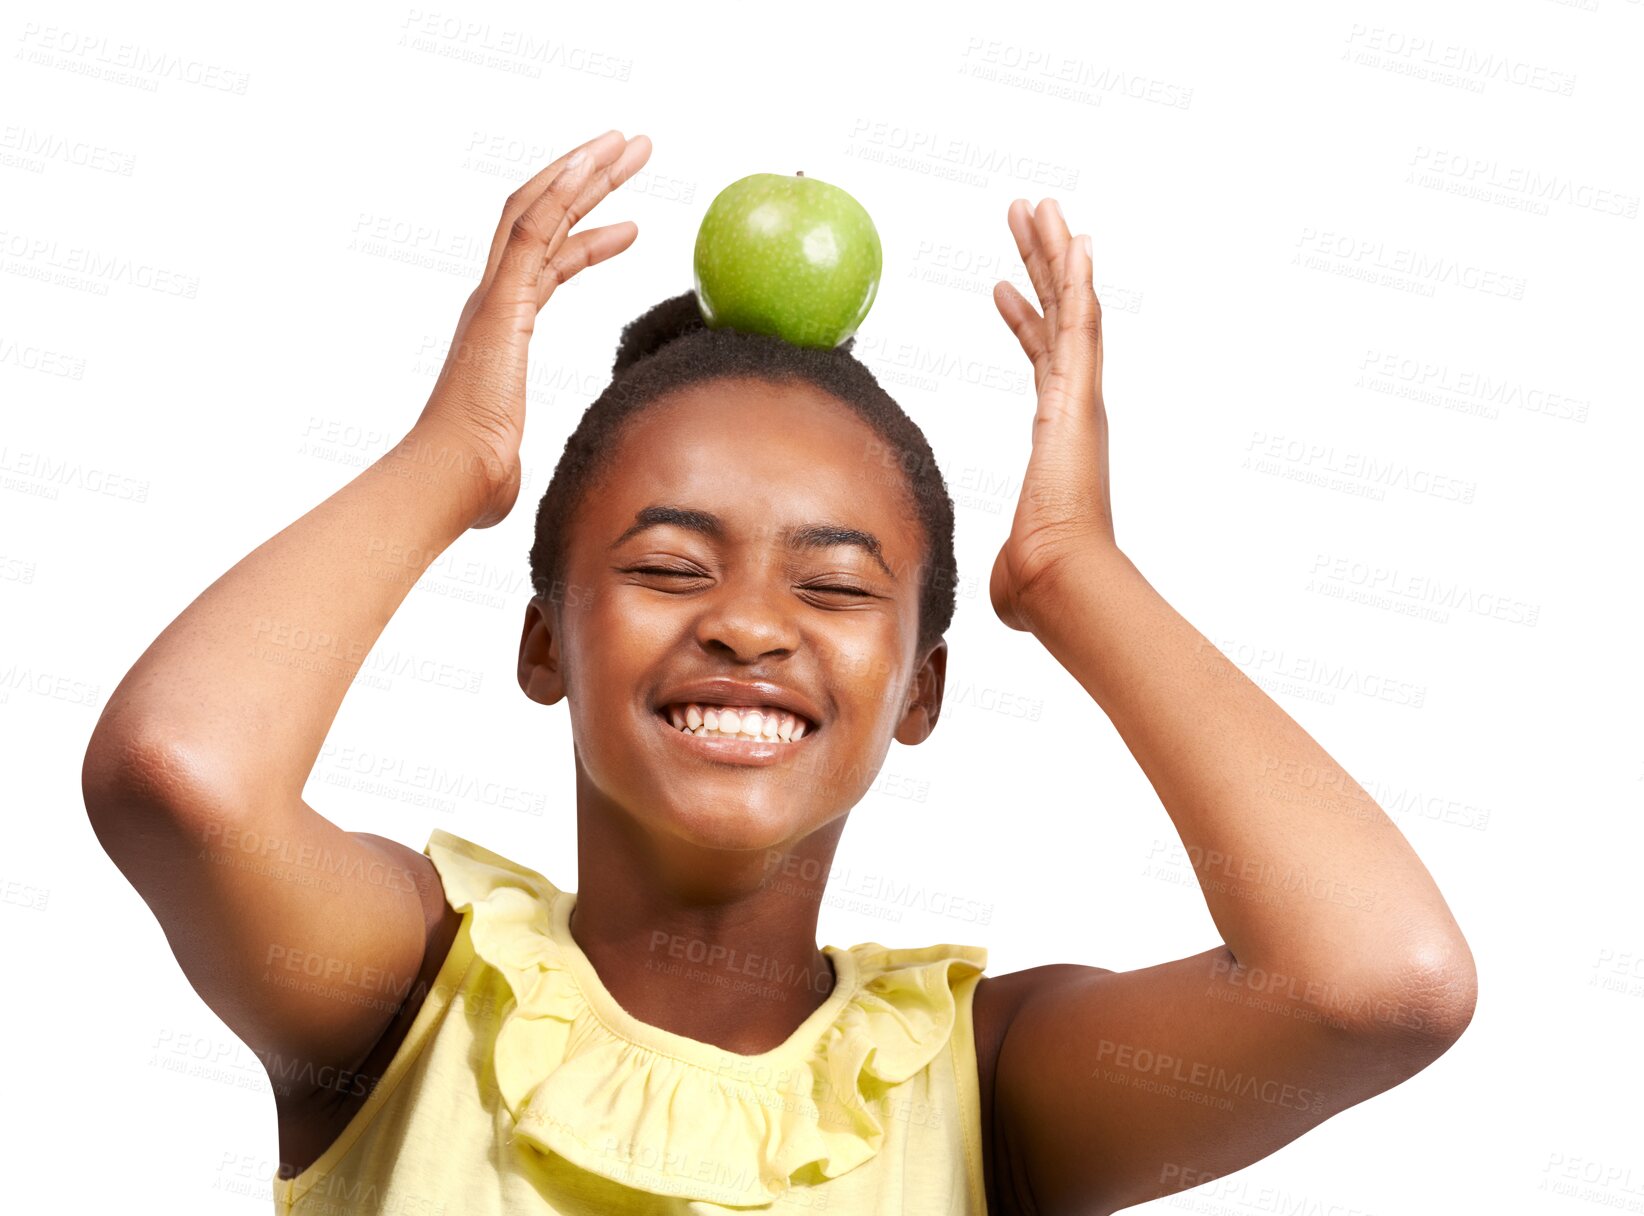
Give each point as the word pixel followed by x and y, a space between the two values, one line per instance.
pixel 601 653
pixel 869 671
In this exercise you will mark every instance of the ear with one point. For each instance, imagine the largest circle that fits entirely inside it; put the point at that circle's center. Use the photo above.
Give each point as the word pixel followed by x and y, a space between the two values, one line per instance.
pixel 925 702
pixel 539 670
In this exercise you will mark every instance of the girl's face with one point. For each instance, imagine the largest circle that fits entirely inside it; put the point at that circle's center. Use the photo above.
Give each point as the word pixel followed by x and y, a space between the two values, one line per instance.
pixel 651 608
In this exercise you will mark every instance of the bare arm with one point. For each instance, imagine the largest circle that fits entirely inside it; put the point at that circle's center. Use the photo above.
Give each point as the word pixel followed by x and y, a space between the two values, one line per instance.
pixel 304 937
pixel 1342 971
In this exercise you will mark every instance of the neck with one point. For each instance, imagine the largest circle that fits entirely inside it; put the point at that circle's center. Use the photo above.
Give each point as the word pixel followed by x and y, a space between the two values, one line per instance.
pixel 715 944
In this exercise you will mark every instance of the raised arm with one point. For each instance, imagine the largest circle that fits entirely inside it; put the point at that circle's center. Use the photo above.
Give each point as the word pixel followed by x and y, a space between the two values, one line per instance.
pixel 1341 971
pixel 303 937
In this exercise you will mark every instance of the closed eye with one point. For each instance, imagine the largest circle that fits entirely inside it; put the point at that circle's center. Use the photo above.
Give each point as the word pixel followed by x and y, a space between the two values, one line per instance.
pixel 692 574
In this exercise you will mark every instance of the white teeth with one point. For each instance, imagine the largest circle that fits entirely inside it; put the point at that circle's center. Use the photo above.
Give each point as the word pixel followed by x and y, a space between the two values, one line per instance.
pixel 741 721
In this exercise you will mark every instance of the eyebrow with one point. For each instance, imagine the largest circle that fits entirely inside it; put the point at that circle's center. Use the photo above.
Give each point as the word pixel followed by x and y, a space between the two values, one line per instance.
pixel 795 536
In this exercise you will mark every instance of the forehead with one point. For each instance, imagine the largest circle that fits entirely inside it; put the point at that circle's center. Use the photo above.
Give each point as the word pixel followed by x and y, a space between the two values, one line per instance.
pixel 761 455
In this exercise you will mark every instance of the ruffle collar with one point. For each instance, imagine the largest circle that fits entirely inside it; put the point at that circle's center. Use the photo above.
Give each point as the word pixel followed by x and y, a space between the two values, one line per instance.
pixel 670 1115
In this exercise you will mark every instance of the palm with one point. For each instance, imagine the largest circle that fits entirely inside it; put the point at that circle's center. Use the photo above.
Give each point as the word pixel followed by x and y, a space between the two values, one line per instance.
pixel 1063 512
pixel 478 403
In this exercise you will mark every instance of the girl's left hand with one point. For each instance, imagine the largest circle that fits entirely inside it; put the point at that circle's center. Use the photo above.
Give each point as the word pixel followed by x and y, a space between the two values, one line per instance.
pixel 1063 515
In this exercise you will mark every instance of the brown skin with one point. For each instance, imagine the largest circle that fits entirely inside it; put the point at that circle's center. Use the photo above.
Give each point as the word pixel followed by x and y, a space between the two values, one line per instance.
pixel 670 842
pixel 1341 971
pixel 215 731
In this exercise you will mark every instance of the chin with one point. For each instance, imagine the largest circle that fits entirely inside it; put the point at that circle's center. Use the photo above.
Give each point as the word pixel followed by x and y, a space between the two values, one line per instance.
pixel 699 797
pixel 728 823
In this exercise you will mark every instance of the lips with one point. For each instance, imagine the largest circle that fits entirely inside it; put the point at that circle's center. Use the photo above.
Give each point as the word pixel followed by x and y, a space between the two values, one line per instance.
pixel 740 751
pixel 755 722
pixel 742 693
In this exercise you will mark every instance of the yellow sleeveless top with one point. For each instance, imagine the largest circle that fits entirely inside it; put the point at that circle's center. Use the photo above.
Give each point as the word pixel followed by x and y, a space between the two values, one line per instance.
pixel 523 1087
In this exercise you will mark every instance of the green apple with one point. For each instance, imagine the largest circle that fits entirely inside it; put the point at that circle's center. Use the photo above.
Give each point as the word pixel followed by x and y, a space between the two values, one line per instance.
pixel 787 255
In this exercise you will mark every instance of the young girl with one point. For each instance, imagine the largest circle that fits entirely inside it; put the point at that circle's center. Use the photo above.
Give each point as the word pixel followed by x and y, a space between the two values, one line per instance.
pixel 744 570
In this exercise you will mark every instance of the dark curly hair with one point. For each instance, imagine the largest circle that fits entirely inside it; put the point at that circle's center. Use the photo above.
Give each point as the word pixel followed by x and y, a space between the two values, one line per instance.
pixel 670 346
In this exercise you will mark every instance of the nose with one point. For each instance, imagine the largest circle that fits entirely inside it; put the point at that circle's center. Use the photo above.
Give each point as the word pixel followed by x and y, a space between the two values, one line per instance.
pixel 750 614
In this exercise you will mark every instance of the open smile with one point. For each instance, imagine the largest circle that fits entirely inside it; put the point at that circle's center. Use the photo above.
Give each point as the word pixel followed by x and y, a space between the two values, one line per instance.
pixel 729 750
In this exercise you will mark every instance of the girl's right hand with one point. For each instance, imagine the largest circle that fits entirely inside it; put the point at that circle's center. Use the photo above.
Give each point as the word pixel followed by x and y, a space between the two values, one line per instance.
pixel 477 408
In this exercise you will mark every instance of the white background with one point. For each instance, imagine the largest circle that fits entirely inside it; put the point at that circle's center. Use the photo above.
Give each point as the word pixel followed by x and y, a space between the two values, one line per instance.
pixel 1421 482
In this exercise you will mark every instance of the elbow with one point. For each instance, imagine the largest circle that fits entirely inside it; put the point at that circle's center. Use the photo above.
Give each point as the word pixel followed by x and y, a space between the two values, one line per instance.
pixel 1453 990
pixel 132 770
pixel 125 768
pixel 149 800
pixel 1428 1002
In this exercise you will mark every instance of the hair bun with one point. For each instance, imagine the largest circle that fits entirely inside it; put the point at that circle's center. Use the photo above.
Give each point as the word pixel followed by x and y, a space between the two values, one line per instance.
pixel 663 323
pixel 656 327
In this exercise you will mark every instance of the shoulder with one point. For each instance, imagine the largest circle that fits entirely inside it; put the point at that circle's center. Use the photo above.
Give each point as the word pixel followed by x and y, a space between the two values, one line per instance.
pixel 994 1006
pixel 421 870
pixel 999 998
pixel 310 1120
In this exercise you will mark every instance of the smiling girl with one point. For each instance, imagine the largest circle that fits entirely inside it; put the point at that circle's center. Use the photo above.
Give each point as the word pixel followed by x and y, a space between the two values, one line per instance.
pixel 744 571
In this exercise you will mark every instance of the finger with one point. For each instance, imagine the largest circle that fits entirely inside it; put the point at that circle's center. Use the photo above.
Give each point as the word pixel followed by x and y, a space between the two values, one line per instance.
pixel 527 194
pixel 1023 319
pixel 1053 252
pixel 535 236
pixel 1077 343
pixel 582 250
pixel 605 178
pixel 1081 311
pixel 1027 244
